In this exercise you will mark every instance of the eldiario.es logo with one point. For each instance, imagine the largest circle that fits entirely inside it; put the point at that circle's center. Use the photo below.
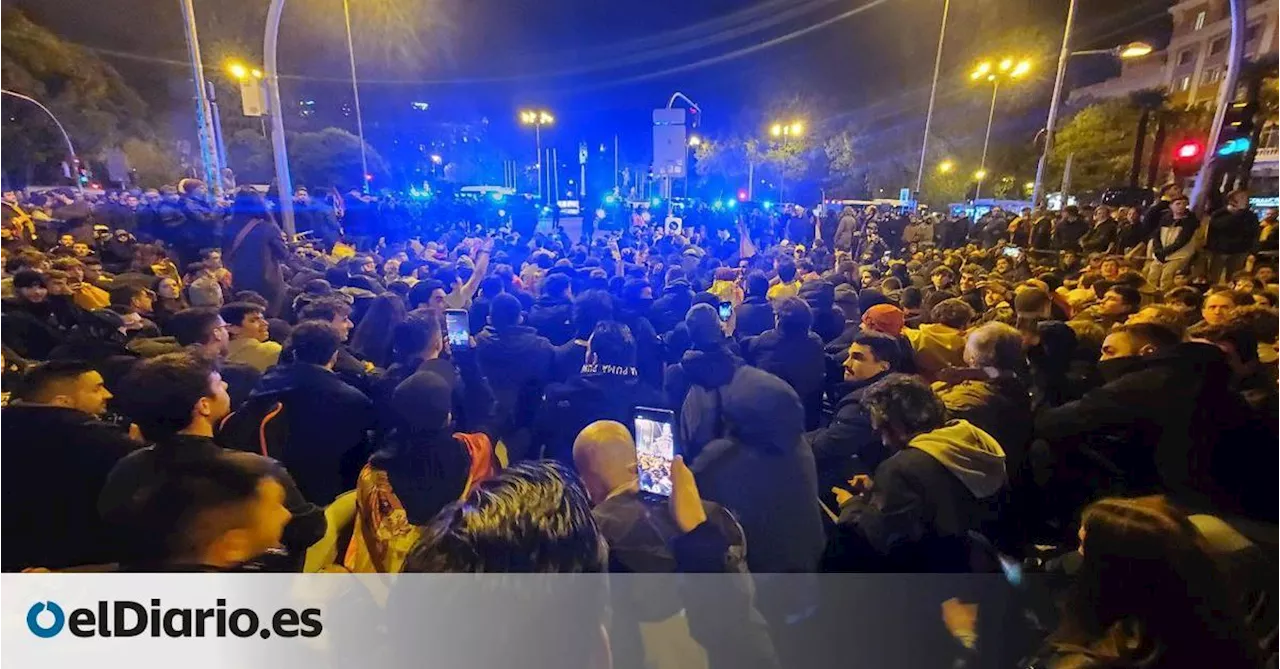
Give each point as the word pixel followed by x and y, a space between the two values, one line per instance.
pixel 125 618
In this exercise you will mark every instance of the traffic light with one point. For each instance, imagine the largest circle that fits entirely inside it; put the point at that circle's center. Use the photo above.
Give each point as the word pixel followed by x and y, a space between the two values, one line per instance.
pixel 1187 156
pixel 1236 135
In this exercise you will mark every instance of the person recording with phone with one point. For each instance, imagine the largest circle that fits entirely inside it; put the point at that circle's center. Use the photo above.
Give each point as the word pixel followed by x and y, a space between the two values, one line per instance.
pixel 655 536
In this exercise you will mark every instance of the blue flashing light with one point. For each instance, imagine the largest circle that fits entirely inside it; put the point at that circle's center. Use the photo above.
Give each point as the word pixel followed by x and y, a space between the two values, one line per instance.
pixel 1234 146
pixel 718 204
pixel 546 210
pixel 497 197
pixel 767 204
pixel 657 202
pixel 611 199
pixel 502 213
pixel 731 204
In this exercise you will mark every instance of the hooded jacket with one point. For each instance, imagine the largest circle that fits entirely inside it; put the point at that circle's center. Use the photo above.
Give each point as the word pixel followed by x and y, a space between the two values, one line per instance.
pixel 552 317
pixel 670 309
pixel 796 358
pixel 760 468
pixel 517 361
pixel 828 322
pixel 849 445
pixel 1232 231
pixel 709 368
pixel 925 499
pixel 328 421
pixel 936 346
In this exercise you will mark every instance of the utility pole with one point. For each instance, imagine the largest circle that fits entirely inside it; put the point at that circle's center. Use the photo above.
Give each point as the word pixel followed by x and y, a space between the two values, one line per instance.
pixel 204 130
pixel 1063 57
pixel 933 93
pixel 355 92
pixel 1235 58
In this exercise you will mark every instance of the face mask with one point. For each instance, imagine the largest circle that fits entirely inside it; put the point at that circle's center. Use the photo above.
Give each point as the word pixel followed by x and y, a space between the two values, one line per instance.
pixel 1112 369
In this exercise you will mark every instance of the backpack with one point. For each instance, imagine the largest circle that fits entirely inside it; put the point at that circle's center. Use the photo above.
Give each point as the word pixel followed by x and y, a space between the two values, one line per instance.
pixel 260 425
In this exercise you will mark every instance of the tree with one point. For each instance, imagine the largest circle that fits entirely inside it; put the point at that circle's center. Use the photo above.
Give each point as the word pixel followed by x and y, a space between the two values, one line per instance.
pixel 153 164
pixel 97 108
pixel 331 157
pixel 1100 139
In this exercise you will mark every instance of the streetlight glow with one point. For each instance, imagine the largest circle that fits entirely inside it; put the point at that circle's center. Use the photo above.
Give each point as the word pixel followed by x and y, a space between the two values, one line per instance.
pixel 1021 68
pixel 946 166
pixel 695 141
pixel 776 130
pixel 1006 64
pixel 983 70
pixel 980 175
pixel 797 128
pixel 257 74
pixel 1135 50
pixel 437 158
pixel 237 70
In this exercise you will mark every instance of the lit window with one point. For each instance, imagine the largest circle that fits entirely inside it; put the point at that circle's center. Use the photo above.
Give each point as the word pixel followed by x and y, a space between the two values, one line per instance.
pixel 1185 83
pixel 1212 74
pixel 1200 20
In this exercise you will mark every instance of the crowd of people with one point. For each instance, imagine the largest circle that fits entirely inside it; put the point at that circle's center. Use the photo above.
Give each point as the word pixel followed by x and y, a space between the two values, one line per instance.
pixel 1090 392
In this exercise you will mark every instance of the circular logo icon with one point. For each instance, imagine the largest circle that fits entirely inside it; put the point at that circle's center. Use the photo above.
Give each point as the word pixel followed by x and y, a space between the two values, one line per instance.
pixel 41 630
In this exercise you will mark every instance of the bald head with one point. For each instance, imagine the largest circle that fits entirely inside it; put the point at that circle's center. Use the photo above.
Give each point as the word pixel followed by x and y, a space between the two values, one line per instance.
pixel 605 455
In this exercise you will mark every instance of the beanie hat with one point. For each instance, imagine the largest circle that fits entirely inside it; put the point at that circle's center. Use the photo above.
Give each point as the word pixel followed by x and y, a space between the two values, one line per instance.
pixel 884 318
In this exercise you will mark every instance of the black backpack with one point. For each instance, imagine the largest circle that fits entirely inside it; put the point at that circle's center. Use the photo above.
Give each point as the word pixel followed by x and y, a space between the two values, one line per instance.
pixel 260 425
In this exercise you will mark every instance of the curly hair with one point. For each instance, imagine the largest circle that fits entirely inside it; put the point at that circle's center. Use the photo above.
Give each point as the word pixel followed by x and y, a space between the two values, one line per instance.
pixel 905 403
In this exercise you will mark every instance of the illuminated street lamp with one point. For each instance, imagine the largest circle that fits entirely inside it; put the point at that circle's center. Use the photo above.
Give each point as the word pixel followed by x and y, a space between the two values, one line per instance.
pixel 793 129
pixel 946 166
pixel 537 118
pixel 695 141
pixel 1007 69
pixel 237 71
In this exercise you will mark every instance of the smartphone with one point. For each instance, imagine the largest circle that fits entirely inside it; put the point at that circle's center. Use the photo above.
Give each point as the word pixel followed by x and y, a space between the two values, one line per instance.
pixel 655 449
pixel 457 327
pixel 1012 252
pixel 726 311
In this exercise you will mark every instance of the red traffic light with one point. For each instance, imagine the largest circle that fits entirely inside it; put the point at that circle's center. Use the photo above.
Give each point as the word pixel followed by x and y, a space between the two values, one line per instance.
pixel 742 196
pixel 1189 150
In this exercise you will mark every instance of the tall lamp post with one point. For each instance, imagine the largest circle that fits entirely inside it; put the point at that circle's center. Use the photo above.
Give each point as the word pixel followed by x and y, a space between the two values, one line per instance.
pixel 537 119
pixel 933 94
pixel 284 185
pixel 75 160
pixel 205 134
pixel 1124 52
pixel 355 92
pixel 783 132
pixel 1006 69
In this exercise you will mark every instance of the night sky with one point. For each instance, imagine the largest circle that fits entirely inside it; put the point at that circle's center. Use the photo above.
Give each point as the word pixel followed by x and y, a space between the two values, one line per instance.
pixel 601 66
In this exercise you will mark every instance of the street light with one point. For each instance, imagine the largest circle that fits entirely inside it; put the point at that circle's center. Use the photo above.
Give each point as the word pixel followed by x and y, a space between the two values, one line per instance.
pixel 946 166
pixel 785 131
pixel 238 71
pixel 1006 69
pixel 695 141
pixel 1134 50
pixel 537 118
pixel 75 160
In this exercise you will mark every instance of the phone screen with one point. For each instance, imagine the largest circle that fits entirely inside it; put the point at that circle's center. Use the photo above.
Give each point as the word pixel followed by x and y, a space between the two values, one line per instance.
pixel 457 327
pixel 655 449
pixel 726 311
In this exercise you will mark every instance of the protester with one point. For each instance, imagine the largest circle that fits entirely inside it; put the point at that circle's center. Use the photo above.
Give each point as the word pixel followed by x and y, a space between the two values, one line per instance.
pixel 254 250
pixel 249 332
pixel 53 425
pixel 176 400
pixel 793 353
pixel 943 480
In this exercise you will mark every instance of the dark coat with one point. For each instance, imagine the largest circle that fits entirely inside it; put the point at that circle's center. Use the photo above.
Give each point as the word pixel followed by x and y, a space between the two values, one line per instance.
pixel 1163 424
pixel 919 511
pixel 671 307
pixel 1100 237
pixel 30 329
pixel 328 424
pixel 144 467
pixel 1186 232
pixel 1067 235
pixel 256 264
pixel 1232 231
pixel 754 316
pixel 552 317
pixel 849 445
pixel 761 469
pixel 1000 407
pixel 797 359
pixel 58 526
pixel 517 361
pixel 599 394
